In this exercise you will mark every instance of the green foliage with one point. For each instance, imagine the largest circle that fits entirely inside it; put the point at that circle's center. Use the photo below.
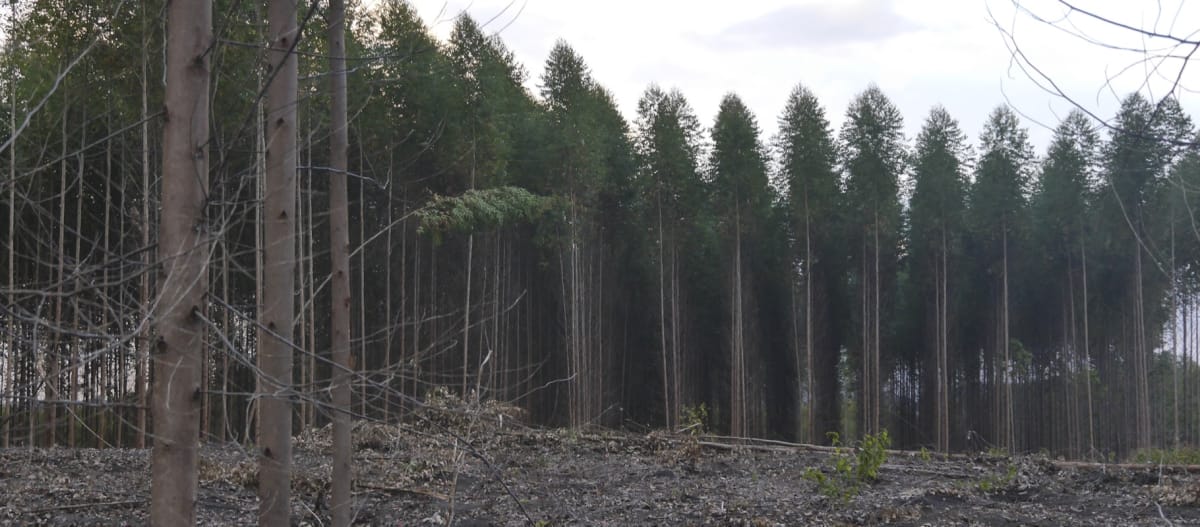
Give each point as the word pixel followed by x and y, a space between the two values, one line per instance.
pixel 999 482
pixel 695 419
pixel 872 453
pixel 850 468
pixel 481 210
pixel 925 455
pixel 1172 456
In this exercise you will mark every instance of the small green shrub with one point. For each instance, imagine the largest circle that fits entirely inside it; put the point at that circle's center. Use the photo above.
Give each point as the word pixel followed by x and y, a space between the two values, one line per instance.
pixel 851 468
pixel 872 453
pixel 695 419
pixel 999 482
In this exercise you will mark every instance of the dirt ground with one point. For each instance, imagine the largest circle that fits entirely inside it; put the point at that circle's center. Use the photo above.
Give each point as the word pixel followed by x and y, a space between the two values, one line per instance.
pixel 511 475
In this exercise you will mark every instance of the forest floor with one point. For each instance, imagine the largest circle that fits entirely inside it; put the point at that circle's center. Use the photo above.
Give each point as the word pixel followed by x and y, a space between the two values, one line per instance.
pixel 512 475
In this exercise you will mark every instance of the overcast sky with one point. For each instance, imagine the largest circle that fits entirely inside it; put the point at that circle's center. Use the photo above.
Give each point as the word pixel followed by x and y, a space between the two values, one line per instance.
pixel 919 52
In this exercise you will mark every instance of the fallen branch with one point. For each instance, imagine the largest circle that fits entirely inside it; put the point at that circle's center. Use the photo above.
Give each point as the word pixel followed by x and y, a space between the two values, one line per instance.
pixel 402 490
pixel 774 445
pixel 88 505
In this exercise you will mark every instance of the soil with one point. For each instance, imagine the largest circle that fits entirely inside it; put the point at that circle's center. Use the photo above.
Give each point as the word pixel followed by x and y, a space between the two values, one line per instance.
pixel 512 475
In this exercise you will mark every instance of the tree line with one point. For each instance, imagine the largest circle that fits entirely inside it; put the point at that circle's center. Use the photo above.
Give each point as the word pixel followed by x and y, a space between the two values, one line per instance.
pixel 537 247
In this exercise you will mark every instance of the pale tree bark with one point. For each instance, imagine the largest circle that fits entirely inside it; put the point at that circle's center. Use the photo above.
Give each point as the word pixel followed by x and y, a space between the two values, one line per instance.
pixel 310 386
pixel 12 243
pixel 1087 358
pixel 141 366
pixel 1009 433
pixel 54 355
pixel 74 356
pixel 662 318
pixel 183 254
pixel 279 276
pixel 808 321
pixel 339 251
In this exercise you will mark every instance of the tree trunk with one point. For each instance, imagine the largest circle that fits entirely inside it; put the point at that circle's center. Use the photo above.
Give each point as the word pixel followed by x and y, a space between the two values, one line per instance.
pixel 1087 359
pixel 183 254
pixel 1009 435
pixel 74 356
pixel 54 382
pixel 279 276
pixel 9 336
pixel 142 362
pixel 339 252
pixel 662 318
pixel 808 319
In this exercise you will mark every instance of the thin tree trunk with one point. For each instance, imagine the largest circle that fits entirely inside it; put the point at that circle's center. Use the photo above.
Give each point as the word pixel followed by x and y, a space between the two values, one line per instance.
pixel 808 319
pixel 74 357
pixel 143 349
pixel 387 299
pixel 1174 343
pixel 1142 389
pixel 279 277
pixel 1010 436
pixel 54 383
pixel 662 317
pixel 311 350
pixel 362 297
pixel 9 336
pixel 339 249
pixel 1087 359
pixel 183 253
pixel 876 383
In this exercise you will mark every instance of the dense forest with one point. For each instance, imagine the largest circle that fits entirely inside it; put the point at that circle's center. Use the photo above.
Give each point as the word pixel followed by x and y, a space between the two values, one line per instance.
pixel 536 247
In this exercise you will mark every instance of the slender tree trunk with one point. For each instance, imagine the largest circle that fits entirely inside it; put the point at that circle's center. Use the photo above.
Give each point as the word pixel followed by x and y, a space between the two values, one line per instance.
pixel 808 320
pixel 54 383
pixel 142 361
pixel 339 249
pixel 225 425
pixel 1141 387
pixel 362 297
pixel 1087 359
pixel 279 277
pixel 1174 343
pixel 865 313
pixel 876 381
pixel 662 317
pixel 311 350
pixel 74 356
pixel 1010 436
pixel 387 300
pixel 183 254
pixel 10 335
pixel 260 335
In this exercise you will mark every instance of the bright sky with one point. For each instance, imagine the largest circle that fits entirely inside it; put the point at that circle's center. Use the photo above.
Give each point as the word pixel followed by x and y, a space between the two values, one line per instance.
pixel 920 52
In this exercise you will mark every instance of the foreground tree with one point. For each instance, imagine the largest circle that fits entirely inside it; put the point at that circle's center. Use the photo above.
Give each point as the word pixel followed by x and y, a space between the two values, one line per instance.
pixel 739 175
pixel 998 201
pixel 873 158
pixel 339 254
pixel 183 253
pixel 668 148
pixel 807 158
pixel 1142 146
pixel 279 271
pixel 936 214
pixel 1060 212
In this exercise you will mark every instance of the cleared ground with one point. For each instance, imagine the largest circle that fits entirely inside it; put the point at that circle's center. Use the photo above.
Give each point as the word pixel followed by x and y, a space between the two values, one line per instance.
pixel 422 475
